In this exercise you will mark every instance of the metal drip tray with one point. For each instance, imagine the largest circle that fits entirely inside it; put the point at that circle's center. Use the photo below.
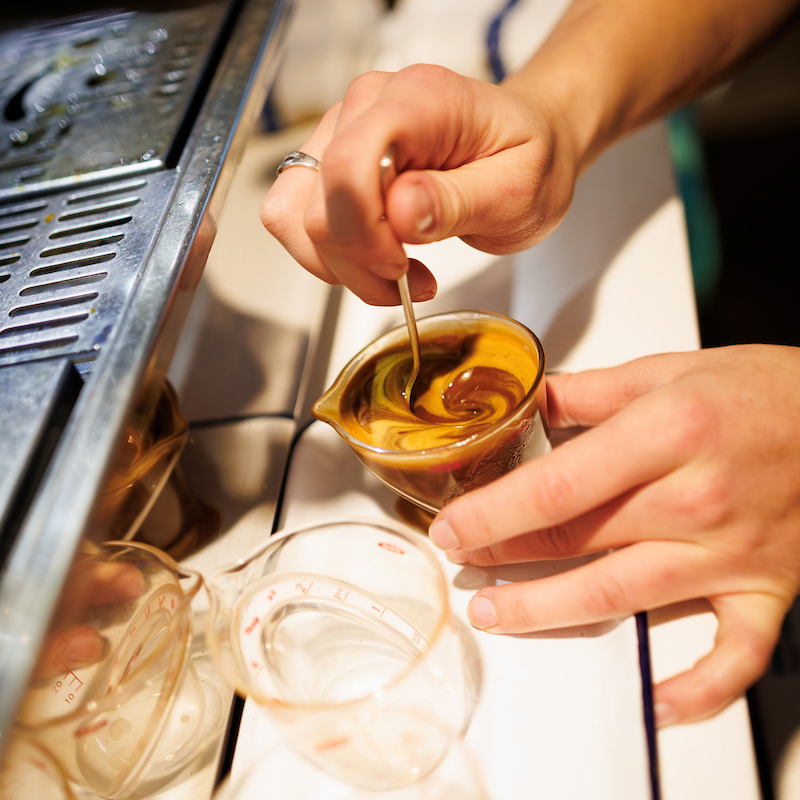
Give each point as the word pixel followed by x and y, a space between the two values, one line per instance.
pixel 106 92
pixel 119 135
pixel 68 262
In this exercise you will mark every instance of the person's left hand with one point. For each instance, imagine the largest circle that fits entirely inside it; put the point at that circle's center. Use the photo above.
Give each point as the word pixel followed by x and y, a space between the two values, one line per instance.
pixel 690 475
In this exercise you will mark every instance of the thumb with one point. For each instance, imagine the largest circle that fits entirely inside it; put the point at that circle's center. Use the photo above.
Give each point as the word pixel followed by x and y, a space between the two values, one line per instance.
pixel 588 398
pixel 494 203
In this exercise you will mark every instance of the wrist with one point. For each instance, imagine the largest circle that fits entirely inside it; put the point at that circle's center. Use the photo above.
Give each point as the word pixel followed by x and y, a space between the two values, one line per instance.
pixel 574 116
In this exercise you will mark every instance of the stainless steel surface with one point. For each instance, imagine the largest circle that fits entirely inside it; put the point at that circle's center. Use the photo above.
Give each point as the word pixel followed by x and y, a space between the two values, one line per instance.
pixel 24 420
pixel 76 257
pixel 98 91
pixel 135 351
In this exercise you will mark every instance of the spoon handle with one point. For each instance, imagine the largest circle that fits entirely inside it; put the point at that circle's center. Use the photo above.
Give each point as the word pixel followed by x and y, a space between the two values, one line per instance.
pixel 411 324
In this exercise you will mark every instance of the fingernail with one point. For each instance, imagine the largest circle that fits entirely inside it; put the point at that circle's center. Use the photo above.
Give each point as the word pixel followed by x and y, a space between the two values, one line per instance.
pixel 665 714
pixel 423 211
pixel 441 534
pixel 481 612
pixel 426 294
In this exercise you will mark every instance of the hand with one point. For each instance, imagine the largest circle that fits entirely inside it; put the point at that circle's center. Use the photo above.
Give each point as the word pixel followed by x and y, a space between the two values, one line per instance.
pixel 689 475
pixel 70 643
pixel 475 160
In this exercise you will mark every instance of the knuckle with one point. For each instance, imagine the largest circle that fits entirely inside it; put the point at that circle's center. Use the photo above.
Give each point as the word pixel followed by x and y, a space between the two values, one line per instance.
pixel 339 160
pixel 755 656
pixel 706 696
pixel 707 499
pixel 484 557
pixel 457 204
pixel 270 214
pixel 516 613
pixel 315 224
pixel 427 74
pixel 606 597
pixel 363 87
pixel 553 494
pixel 556 542
pixel 688 423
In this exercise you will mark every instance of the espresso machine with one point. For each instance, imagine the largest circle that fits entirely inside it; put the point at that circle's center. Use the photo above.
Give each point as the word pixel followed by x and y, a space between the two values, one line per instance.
pixel 120 129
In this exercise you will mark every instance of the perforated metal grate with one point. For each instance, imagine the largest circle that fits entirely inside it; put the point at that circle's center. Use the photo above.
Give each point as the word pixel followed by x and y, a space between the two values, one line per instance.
pixel 68 262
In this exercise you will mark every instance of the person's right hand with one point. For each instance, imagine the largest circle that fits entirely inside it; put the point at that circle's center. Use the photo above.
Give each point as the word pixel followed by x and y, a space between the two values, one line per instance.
pixel 687 481
pixel 483 162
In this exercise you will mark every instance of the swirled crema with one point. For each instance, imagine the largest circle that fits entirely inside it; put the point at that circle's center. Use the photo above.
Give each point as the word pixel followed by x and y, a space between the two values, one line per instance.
pixel 468 381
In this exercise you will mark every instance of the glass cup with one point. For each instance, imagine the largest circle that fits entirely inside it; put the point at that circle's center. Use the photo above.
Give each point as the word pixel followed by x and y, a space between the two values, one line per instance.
pixel 280 774
pixel 343 633
pixel 142 466
pixel 114 696
pixel 478 408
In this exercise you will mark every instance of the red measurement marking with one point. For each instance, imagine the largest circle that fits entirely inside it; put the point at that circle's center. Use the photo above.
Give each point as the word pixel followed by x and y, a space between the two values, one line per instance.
pixel 332 744
pixel 379 610
pixel 60 644
pixel 81 732
pixel 272 594
pixel 172 603
pixel 72 679
pixel 147 612
pixel 59 664
pixel 339 596
pixel 69 678
pixel 392 548
pixel 161 600
pixel 415 637
pixel 252 626
pixel 303 589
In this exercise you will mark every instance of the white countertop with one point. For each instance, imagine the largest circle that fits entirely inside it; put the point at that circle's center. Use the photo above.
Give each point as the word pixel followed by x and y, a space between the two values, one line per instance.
pixel 560 716
pixel 612 283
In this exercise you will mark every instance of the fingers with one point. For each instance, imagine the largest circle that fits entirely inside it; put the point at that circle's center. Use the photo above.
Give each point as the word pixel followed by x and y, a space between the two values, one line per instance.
pixel 344 238
pixel 645 441
pixel 591 397
pixel 475 201
pixel 640 577
pixel 71 649
pixel 749 627
pixel 283 208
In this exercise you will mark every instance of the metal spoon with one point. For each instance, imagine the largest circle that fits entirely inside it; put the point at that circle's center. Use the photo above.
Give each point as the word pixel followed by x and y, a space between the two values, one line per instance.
pixel 411 323
pixel 388 172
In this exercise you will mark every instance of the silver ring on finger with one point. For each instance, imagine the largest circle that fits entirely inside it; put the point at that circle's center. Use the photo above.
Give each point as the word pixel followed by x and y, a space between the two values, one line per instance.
pixel 297 159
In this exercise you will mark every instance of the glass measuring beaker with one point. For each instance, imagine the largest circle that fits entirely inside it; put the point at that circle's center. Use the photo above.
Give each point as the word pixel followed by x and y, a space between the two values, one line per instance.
pixel 114 696
pixel 142 465
pixel 479 405
pixel 342 632
pixel 279 774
